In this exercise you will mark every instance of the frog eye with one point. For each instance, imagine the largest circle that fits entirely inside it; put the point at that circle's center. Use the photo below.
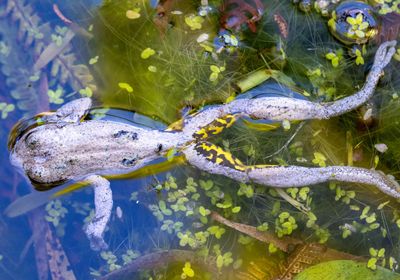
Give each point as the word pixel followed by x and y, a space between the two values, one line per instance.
pixel 31 141
pixel 19 130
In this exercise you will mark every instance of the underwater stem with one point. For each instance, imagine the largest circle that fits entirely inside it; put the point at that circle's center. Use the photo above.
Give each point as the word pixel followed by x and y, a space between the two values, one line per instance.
pixel 161 259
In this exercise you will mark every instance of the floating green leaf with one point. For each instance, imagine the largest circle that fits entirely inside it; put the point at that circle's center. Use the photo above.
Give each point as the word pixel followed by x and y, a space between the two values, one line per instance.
pixel 146 53
pixel 345 270
pixel 93 60
pixel 125 86
pixel 87 92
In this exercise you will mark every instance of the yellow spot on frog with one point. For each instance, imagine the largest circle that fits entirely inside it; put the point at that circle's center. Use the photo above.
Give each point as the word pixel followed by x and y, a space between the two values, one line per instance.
pixel 215 127
pixel 126 87
pixel 133 14
pixel 217 155
pixel 146 53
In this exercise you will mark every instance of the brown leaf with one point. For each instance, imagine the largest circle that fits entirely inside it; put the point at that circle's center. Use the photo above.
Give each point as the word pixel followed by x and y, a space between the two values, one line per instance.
pixel 58 261
pixel 237 12
pixel 390 28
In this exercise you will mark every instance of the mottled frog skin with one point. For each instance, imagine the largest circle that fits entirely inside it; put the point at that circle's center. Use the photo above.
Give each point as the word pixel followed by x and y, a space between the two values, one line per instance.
pixel 51 155
pixel 68 147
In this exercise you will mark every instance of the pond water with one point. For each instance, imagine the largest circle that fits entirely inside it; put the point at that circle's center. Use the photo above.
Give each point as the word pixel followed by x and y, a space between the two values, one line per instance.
pixel 150 63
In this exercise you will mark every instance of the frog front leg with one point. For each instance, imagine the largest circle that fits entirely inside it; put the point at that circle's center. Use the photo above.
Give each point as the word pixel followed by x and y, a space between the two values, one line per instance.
pixel 103 203
pixel 71 112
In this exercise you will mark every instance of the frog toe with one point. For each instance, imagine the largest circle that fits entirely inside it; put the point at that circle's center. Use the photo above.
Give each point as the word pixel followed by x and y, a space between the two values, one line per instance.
pixel 384 54
pixel 97 243
pixel 73 111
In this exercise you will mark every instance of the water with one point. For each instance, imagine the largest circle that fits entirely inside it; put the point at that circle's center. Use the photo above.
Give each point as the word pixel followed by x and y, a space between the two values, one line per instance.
pixel 167 61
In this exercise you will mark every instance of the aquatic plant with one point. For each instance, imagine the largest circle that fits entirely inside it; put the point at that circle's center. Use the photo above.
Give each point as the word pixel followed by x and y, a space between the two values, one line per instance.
pixel 353 22
pixel 28 43
pixel 22 29
pixel 235 13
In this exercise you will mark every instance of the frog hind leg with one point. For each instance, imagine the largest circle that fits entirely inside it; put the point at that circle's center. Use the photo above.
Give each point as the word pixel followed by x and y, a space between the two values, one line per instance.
pixel 211 158
pixel 72 112
pixel 103 203
pixel 299 176
pixel 216 126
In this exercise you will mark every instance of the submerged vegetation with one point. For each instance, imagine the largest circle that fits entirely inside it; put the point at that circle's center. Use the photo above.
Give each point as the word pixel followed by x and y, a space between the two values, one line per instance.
pixel 166 58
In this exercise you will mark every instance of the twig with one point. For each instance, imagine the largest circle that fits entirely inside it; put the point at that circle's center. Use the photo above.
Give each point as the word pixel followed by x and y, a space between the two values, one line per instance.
pixel 160 259
pixel 287 142
pixel 266 237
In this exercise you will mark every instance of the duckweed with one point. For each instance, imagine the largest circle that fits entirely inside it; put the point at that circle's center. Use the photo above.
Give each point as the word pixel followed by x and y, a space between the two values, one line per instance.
pixel 319 159
pixel 147 53
pixel 187 271
pixel 133 14
pixel 86 92
pixel 5 109
pixel 194 22
pixel 55 96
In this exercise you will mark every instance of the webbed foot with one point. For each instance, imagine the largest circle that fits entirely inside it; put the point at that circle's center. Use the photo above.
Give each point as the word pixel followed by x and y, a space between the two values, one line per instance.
pixel 384 54
pixel 103 203
pixel 97 243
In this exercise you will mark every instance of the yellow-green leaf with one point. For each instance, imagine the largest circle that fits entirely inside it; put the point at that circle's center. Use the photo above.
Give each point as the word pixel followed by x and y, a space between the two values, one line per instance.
pixel 351 20
pixel 93 60
pixel 335 62
pixel 359 60
pixel 215 69
pixel 360 34
pixel 152 68
pixel 372 263
pixel 236 209
pixel 363 25
pixel 133 14
pixel 146 53
pixel 373 252
pixel 187 270
pixel 346 270
pixel 359 18
pixel 330 55
pixel 125 86
pixel 383 204
pixel 213 77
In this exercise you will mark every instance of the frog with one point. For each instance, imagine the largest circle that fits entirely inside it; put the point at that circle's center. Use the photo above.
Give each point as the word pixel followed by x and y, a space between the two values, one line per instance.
pixel 66 146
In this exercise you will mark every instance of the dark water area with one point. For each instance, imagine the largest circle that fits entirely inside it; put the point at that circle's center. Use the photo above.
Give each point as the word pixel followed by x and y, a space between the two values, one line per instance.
pixel 151 63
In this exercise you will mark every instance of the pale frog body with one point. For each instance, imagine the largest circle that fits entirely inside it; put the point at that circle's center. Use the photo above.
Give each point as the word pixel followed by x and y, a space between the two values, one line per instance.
pixel 67 147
